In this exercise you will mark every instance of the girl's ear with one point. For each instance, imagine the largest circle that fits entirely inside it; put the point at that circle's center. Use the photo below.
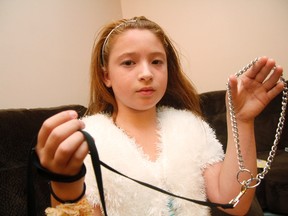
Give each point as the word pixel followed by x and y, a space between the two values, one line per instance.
pixel 106 78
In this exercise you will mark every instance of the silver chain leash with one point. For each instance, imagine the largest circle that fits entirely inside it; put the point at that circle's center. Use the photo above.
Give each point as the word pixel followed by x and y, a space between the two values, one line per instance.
pixel 278 133
pixel 233 117
pixel 246 184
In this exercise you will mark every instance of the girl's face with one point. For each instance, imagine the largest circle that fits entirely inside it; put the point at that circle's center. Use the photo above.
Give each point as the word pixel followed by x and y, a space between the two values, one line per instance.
pixel 137 70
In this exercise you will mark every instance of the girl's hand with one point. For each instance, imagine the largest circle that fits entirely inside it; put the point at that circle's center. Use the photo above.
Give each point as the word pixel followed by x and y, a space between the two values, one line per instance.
pixel 253 90
pixel 61 148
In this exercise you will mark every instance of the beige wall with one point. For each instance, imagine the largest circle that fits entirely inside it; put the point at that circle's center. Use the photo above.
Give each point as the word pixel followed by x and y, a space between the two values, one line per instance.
pixel 45 49
pixel 217 38
pixel 45 45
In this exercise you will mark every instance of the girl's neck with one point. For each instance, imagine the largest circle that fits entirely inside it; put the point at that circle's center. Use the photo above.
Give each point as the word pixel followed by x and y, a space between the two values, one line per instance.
pixel 136 119
pixel 143 127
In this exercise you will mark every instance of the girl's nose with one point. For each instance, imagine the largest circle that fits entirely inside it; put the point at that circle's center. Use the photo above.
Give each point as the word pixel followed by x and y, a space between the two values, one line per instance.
pixel 145 72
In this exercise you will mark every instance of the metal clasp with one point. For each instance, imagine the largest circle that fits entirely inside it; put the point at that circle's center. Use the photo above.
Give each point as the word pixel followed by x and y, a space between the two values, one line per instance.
pixel 236 200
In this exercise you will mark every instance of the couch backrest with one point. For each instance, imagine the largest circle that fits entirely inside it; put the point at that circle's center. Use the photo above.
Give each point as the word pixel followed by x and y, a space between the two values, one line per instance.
pixel 18 130
pixel 214 109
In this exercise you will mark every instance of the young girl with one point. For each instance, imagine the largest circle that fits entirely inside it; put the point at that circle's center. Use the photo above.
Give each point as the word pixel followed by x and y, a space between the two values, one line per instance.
pixel 145 118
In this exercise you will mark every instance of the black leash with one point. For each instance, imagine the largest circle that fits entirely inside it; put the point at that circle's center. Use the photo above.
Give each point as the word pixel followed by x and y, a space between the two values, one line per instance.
pixel 97 163
pixel 97 171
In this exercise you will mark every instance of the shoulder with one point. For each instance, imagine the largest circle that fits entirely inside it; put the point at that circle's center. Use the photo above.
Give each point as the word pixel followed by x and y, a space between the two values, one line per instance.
pixel 99 117
pixel 186 124
pixel 97 122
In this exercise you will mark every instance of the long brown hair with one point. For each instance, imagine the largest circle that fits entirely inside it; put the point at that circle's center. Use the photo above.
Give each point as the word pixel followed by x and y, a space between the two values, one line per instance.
pixel 180 92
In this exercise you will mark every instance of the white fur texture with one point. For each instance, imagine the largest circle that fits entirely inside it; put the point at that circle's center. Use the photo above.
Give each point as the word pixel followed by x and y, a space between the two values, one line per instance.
pixel 187 145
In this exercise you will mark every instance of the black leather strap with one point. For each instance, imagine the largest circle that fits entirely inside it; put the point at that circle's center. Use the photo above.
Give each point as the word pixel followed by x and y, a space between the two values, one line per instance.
pixel 97 170
pixel 54 176
pixel 96 162
pixel 67 201
pixel 205 203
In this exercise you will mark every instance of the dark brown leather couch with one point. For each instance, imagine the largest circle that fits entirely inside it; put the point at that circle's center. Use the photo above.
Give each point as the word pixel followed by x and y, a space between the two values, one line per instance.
pixel 19 128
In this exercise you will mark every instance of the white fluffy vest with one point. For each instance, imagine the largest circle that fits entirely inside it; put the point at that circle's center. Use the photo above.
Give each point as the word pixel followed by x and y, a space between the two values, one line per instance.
pixel 187 146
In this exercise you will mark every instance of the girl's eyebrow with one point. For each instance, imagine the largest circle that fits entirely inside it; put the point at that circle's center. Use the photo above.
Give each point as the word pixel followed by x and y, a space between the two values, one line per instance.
pixel 156 53
pixel 124 54
pixel 162 54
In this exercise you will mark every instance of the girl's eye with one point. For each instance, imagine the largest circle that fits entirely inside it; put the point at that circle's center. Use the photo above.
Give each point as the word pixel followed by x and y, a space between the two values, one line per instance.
pixel 157 61
pixel 128 63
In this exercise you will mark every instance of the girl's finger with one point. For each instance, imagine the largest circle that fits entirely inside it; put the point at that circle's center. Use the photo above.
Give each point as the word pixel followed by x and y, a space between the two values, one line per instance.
pixel 275 90
pixel 78 157
pixel 272 84
pixel 265 71
pixel 53 122
pixel 67 148
pixel 59 135
pixel 273 79
pixel 233 85
pixel 252 73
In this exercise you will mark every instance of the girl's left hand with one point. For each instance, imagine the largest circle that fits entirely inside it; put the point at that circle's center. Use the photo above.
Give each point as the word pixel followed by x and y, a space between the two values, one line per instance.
pixel 253 90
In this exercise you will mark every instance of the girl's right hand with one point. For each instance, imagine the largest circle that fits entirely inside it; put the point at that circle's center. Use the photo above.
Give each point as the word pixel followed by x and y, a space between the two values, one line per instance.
pixel 61 147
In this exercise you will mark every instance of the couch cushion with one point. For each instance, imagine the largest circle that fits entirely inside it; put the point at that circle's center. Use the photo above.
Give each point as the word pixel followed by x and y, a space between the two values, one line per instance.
pixel 275 184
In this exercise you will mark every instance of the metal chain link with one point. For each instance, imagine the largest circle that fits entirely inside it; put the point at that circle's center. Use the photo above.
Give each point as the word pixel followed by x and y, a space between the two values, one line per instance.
pixel 257 180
